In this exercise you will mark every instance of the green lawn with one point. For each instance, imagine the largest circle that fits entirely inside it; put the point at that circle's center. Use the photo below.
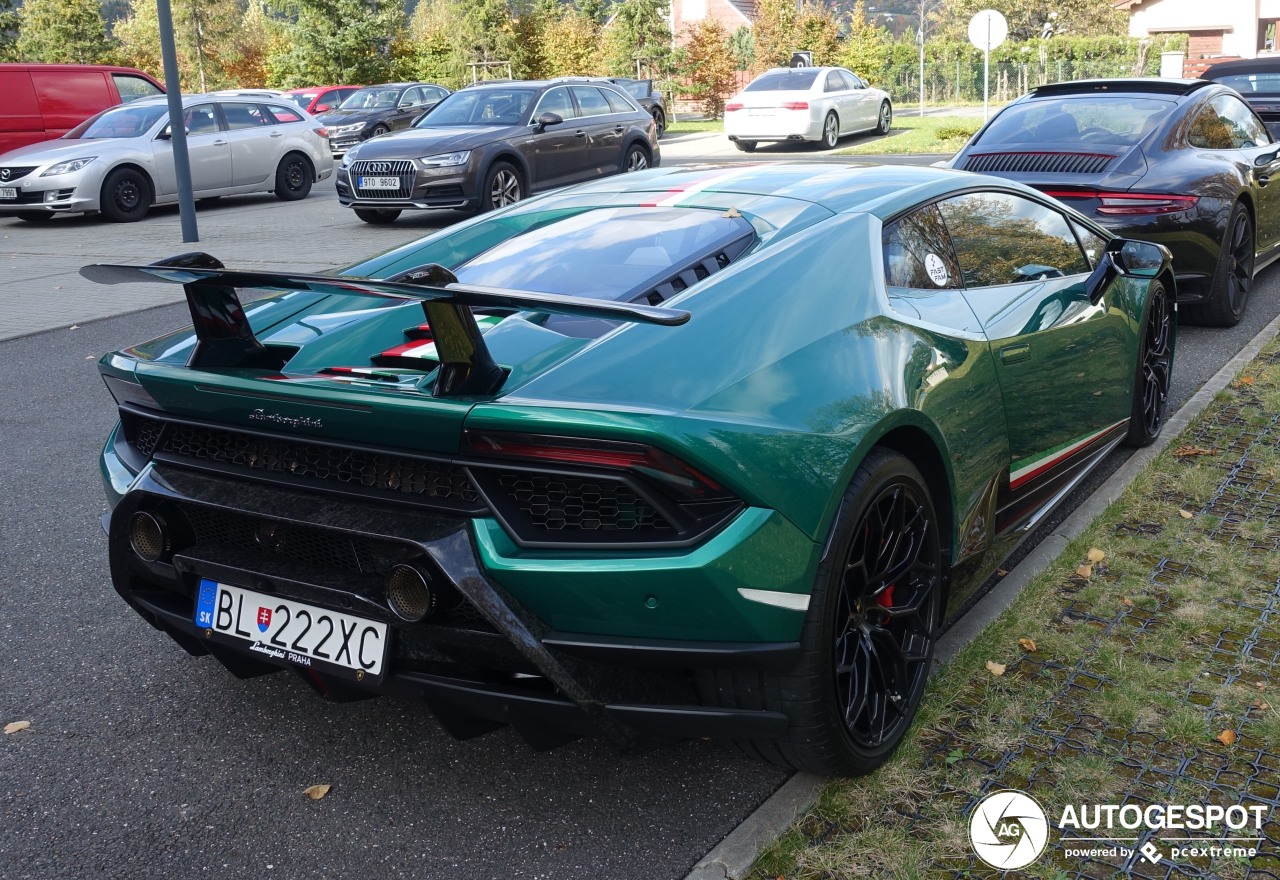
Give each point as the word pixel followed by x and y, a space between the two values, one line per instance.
pixel 678 127
pixel 914 134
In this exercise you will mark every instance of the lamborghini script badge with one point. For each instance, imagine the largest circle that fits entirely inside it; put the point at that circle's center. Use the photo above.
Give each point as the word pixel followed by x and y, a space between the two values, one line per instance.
pixel 261 415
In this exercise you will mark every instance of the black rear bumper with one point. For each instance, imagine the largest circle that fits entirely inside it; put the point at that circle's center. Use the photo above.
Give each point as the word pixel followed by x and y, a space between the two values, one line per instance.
pixel 487 664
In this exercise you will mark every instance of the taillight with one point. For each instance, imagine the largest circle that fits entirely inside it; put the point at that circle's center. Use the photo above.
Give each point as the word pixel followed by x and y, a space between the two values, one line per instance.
pixel 795 105
pixel 1122 203
pixel 730 107
pixel 323 132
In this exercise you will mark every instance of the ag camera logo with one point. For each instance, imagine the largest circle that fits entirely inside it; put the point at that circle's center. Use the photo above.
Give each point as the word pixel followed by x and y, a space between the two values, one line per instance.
pixel 1008 829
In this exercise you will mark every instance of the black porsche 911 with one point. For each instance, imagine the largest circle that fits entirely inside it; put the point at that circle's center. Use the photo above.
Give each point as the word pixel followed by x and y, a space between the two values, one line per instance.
pixel 1258 81
pixel 1185 163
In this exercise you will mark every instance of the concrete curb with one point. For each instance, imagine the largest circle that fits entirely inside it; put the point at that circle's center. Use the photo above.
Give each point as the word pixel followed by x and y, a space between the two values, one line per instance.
pixel 733 857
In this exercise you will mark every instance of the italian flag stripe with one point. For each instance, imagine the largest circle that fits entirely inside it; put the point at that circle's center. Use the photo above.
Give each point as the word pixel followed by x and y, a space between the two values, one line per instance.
pixel 1032 467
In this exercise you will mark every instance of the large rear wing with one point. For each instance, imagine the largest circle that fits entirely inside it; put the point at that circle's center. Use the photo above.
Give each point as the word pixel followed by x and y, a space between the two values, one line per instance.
pixel 224 338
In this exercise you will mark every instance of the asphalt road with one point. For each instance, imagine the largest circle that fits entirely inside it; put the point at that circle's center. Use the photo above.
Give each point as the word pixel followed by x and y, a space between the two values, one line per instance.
pixel 144 763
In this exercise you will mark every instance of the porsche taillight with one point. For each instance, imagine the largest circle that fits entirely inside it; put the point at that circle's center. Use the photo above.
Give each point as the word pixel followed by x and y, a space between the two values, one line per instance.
pixel 1122 203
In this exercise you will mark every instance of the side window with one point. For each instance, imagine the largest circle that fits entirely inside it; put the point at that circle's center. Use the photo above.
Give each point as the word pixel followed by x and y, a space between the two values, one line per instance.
pixel 556 101
pixel 1227 123
pixel 430 93
pixel 917 252
pixel 284 114
pixel 1093 244
pixel 1000 238
pixel 617 103
pixel 835 82
pixel 243 116
pixel 412 97
pixel 590 101
pixel 201 119
pixel 131 87
pixel 854 82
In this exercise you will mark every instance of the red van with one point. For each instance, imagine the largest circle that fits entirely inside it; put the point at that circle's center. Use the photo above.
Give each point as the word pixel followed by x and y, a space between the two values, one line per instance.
pixel 43 101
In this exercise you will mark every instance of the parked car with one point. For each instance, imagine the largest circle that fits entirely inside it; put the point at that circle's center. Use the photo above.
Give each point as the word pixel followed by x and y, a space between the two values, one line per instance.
pixel 1182 162
pixel 377 110
pixel 815 104
pixel 1258 82
pixel 120 162
pixel 321 99
pixel 44 101
pixel 647 96
pixel 656 462
pixel 492 144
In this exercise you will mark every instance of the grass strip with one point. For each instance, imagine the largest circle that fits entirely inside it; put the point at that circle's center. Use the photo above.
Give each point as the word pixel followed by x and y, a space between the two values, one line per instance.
pixel 916 134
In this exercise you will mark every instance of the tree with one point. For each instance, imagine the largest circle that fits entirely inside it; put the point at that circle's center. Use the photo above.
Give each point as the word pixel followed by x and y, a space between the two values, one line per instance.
pixel 775 34
pixel 709 66
pixel 742 45
pixel 338 41
pixel 66 31
pixel 207 36
pixel 866 47
pixel 638 36
pixel 1027 18
pixel 8 31
pixel 573 44
pixel 817 31
pixel 434 53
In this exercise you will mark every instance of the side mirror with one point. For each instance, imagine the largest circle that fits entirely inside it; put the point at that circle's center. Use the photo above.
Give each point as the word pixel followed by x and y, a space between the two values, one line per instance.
pixel 321 108
pixel 1266 159
pixel 546 119
pixel 166 134
pixel 1123 256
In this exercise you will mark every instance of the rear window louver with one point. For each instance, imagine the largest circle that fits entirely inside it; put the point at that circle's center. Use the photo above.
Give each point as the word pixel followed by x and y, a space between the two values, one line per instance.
pixel 1039 163
pixel 692 274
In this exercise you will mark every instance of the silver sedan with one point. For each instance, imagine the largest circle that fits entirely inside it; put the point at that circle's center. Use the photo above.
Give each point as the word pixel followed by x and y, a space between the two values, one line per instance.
pixel 819 104
pixel 120 162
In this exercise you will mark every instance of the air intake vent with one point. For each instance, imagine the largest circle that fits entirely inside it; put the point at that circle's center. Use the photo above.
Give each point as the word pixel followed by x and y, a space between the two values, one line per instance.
pixel 1039 163
pixel 686 278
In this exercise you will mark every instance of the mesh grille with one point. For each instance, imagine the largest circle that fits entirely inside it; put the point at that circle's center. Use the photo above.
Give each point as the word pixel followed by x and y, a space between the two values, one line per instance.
pixel 400 168
pixel 1042 163
pixel 314 547
pixel 557 503
pixel 16 172
pixel 145 434
pixel 356 468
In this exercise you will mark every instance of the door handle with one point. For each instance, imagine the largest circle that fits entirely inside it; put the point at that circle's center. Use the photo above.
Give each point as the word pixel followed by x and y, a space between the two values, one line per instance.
pixel 1015 354
pixel 618 129
pixel 579 133
pixel 219 143
pixel 276 134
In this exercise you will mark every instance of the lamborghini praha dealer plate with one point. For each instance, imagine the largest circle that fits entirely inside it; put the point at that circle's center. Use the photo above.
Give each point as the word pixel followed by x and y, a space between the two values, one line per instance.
pixel 292 632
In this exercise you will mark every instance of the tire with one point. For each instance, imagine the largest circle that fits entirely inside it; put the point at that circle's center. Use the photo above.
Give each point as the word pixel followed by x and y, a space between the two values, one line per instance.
pixel 885 530
pixel 377 216
pixel 1233 278
pixel 503 186
pixel 745 146
pixel 378 131
pixel 885 120
pixel 126 196
pixel 635 159
pixel 830 132
pixel 35 216
pixel 1151 377
pixel 659 120
pixel 293 178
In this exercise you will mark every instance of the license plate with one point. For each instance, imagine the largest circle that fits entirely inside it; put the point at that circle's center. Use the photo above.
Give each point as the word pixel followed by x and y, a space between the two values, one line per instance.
pixel 8 192
pixel 290 632
pixel 378 183
pixel 761 111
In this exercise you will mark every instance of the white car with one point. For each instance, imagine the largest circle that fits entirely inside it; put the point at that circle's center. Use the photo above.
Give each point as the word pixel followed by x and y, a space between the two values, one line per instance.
pixel 120 162
pixel 819 104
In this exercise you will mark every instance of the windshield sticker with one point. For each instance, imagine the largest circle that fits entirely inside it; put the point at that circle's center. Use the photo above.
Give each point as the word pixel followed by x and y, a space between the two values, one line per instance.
pixel 937 269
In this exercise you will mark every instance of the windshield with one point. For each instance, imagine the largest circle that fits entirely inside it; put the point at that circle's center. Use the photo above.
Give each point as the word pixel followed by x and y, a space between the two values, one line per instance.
pixel 1253 83
pixel 1115 120
pixel 125 121
pixel 371 98
pixel 797 80
pixel 481 107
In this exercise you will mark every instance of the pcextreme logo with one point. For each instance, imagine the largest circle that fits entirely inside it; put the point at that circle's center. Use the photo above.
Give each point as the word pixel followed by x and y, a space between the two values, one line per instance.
pixel 1008 829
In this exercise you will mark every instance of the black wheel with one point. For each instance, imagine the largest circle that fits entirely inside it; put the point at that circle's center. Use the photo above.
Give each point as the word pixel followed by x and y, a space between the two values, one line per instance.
pixel 35 216
pixel 830 132
pixel 635 159
pixel 659 120
pixel 745 146
pixel 1155 362
pixel 293 178
pixel 379 130
pixel 126 196
pixel 868 638
pixel 1234 276
pixel 502 187
pixel 377 216
pixel 885 122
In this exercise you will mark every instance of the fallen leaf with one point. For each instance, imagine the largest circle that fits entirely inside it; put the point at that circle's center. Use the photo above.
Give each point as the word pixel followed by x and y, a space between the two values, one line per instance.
pixel 995 668
pixel 315 792
pixel 1185 514
pixel 1097 394
pixel 1227 737
pixel 15 726
pixel 1126 602
pixel 1027 645
pixel 1001 572
pixel 1261 707
pixel 731 214
pixel 1096 555
pixel 1084 571
pixel 1260 685
pixel 1188 451
pixel 1244 380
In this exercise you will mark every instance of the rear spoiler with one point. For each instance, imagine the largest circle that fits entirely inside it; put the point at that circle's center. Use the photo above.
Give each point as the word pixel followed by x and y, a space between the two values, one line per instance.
pixel 224 338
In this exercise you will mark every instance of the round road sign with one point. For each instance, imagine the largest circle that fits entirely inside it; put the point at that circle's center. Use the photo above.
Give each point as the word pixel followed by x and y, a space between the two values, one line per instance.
pixel 987 29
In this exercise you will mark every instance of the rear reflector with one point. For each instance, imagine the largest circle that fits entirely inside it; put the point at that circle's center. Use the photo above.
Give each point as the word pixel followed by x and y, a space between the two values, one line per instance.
pixel 1114 203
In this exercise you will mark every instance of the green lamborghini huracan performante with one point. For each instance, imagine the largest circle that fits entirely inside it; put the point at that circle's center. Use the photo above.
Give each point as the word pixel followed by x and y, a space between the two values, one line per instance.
pixel 685 452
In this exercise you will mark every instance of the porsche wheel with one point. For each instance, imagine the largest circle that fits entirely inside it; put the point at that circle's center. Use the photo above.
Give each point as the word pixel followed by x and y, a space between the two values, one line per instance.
pixel 868 637
pixel 1155 363
pixel 830 133
pixel 1233 278
pixel 659 120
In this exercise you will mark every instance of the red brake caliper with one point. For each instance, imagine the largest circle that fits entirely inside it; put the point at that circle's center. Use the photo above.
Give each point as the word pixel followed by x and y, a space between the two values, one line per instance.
pixel 885 600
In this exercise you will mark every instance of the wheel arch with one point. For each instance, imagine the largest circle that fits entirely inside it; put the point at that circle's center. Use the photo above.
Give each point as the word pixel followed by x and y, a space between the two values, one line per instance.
pixel 919 447
pixel 511 157
pixel 134 166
